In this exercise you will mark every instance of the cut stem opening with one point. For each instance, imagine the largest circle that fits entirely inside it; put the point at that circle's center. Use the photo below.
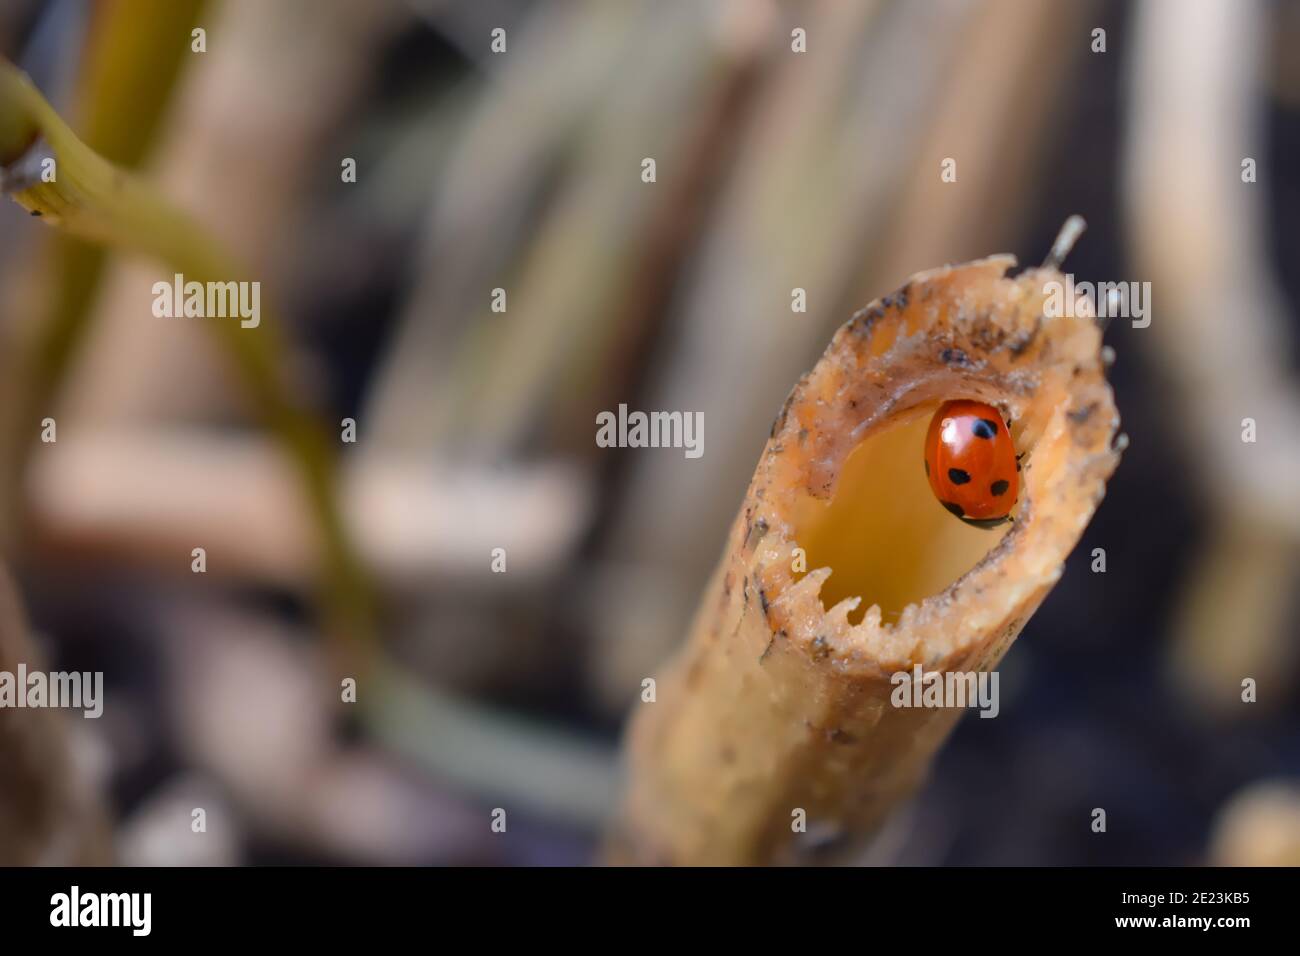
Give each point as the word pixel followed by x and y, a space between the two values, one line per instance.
pixel 883 534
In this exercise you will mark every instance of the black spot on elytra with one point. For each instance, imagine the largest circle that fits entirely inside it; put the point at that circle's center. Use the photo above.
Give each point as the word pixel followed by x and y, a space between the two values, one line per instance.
pixel 957 476
pixel 984 428
pixel 954 508
pixel 999 488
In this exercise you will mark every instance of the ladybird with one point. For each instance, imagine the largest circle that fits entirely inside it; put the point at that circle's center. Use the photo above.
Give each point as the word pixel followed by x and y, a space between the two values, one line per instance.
pixel 972 464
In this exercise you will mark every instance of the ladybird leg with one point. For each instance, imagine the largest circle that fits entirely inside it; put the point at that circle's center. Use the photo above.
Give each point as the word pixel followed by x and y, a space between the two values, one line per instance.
pixel 987 523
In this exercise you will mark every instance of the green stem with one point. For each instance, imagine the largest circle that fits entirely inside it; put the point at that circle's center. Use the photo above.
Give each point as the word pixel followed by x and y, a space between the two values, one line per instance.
pixel 92 199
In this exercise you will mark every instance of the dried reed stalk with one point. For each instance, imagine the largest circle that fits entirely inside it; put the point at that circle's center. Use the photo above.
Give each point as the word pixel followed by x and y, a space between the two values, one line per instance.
pixel 777 704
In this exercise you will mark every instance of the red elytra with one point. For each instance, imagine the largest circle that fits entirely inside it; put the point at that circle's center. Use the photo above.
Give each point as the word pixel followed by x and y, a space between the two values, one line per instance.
pixel 970 460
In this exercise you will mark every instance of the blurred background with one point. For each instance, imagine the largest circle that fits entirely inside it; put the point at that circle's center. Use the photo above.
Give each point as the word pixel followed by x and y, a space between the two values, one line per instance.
pixel 1172 126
